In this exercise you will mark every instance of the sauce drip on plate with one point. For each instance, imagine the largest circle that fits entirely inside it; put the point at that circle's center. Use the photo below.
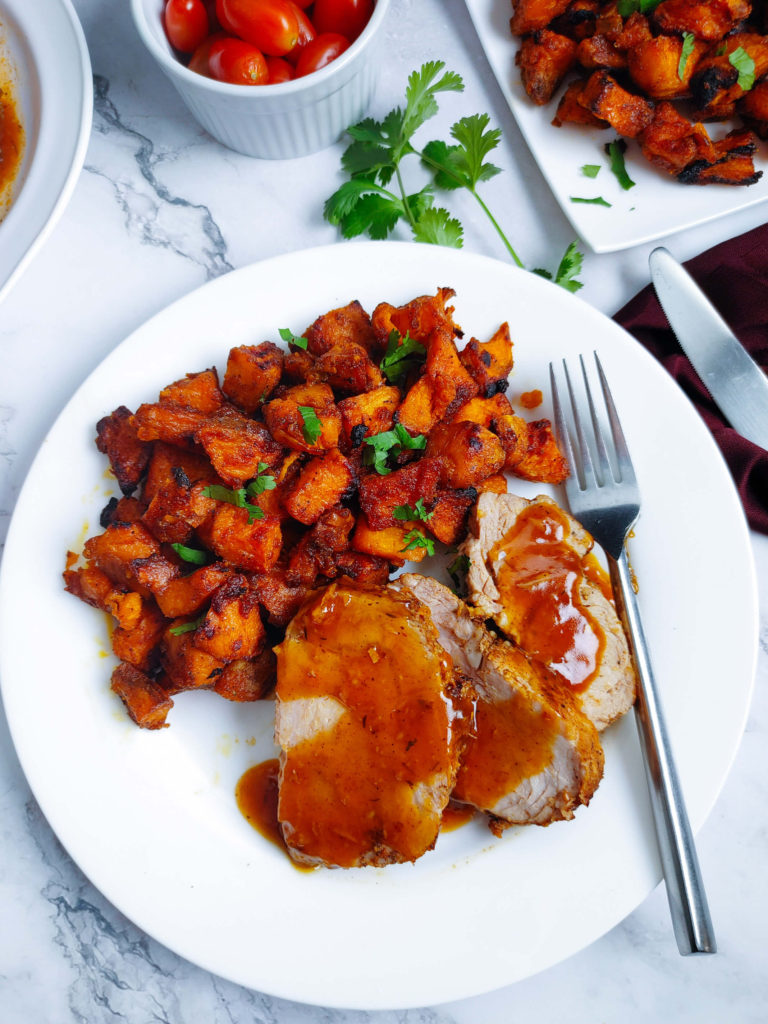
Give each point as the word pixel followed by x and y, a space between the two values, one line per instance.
pixel 11 137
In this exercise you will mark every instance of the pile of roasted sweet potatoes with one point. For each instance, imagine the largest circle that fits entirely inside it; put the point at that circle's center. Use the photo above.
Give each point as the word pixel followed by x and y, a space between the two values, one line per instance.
pixel 355 448
pixel 654 72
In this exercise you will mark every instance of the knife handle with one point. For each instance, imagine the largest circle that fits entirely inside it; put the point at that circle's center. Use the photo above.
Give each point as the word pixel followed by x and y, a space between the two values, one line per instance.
pixel 682 874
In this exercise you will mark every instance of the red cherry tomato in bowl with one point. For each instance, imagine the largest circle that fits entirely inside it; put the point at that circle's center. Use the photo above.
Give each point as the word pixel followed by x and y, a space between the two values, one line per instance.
pixel 186 24
pixel 320 52
pixel 198 62
pixel 270 25
pixel 306 35
pixel 347 17
pixel 279 70
pixel 235 61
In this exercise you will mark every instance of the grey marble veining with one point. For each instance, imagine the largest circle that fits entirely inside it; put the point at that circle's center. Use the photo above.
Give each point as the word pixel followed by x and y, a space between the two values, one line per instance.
pixel 159 210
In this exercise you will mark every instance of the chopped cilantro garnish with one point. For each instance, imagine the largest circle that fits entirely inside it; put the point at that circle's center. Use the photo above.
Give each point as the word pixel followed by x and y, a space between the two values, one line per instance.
pixel 292 339
pixel 237 497
pixel 312 427
pixel 590 170
pixel 457 570
pixel 615 151
pixel 689 41
pixel 193 555
pixel 570 266
pixel 745 66
pixel 597 201
pixel 627 7
pixel 416 539
pixel 403 355
pixel 390 443
pixel 410 512
pixel 262 482
pixel 186 627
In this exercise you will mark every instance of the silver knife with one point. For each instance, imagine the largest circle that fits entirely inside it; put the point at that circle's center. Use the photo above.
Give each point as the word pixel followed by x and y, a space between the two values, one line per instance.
pixel 732 377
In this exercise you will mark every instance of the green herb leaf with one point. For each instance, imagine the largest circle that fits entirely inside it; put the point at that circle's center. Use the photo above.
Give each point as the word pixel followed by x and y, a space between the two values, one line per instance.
pixel 409 512
pixel 590 170
pixel 292 339
pixel 689 41
pixel 745 66
pixel 186 627
pixel 234 497
pixel 570 266
pixel 312 427
pixel 416 539
pixel 262 482
pixel 415 443
pixel 627 7
pixel 597 201
pixel 458 570
pixel 615 151
pixel 193 555
pixel 390 443
pixel 437 227
pixel 403 355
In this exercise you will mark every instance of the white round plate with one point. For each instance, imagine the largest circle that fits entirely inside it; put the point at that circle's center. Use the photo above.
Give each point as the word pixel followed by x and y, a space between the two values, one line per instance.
pixel 44 43
pixel 151 817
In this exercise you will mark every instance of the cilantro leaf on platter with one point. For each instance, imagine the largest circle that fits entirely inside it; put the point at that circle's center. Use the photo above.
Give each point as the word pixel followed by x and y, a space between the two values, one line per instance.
pixel 403 354
pixel 312 427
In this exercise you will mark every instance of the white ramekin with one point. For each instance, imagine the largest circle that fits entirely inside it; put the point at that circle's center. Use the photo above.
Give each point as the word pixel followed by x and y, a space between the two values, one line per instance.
pixel 275 121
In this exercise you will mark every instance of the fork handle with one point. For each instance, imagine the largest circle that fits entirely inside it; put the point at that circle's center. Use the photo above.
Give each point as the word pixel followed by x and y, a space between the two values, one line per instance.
pixel 685 888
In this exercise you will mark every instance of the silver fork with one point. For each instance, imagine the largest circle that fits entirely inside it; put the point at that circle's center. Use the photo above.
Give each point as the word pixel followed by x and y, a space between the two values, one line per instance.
pixel 605 499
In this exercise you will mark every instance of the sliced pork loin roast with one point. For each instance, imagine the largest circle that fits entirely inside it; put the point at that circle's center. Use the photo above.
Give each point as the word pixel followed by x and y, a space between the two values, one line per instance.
pixel 534 757
pixel 370 722
pixel 530 574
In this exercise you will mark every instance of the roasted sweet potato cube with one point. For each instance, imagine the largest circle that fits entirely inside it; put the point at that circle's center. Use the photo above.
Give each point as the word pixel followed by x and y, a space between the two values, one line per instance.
pixel 599 52
pixel 571 111
pixel 170 465
pixel 124 510
pixel 348 369
pixel 715 81
pixel 496 484
pixel 734 169
pixel 232 627
pixel 248 679
pixel 448 522
pixel 253 372
pixel 672 142
pixel 186 595
pixel 753 108
pixel 139 644
pixel 543 461
pixel 444 387
pixel 151 575
pixel 253 546
pixel 578 20
pixel 121 544
pixel 128 456
pixel 94 587
pixel 177 510
pixel 484 411
pixel 635 30
pixel 163 421
pixel 423 316
pixel 294 418
pixel 468 453
pixel 316 552
pixel 271 500
pixel 490 362
pixel 380 496
pixel 147 703
pixel 705 19
pixel 388 544
pixel 367 414
pixel 529 15
pixel 237 446
pixel 187 667
pixel 654 66
pixel 417 412
pixel 299 366
pixel 605 98
pixel 347 324
pixel 280 598
pixel 512 431
pixel 198 391
pixel 362 568
pixel 544 59
pixel 320 485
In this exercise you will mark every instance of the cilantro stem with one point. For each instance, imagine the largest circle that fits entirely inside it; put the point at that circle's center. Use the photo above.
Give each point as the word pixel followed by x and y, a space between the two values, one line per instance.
pixel 404 198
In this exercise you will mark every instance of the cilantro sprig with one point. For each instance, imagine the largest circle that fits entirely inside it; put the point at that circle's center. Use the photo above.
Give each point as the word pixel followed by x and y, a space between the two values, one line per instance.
pixel 567 271
pixel 375 200
pixel 237 496
pixel 627 7
pixel 403 355
pixel 413 512
pixel 689 41
pixel 312 426
pixel 263 481
pixel 389 444
pixel 416 539
pixel 292 339
pixel 193 555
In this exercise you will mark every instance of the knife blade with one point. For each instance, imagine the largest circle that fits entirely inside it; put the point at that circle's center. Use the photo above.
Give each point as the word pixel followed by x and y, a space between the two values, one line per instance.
pixel 734 380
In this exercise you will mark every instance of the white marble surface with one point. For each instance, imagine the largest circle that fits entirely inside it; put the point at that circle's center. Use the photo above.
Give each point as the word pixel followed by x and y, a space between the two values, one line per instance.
pixel 158 210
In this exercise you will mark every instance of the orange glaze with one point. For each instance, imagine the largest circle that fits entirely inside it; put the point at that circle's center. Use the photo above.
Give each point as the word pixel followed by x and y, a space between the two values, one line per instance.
pixel 354 787
pixel 455 815
pixel 538 576
pixel 11 139
pixel 256 795
pixel 531 399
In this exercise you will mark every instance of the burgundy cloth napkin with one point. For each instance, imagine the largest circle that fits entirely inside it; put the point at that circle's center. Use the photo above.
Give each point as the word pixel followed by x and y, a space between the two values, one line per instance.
pixel 734 276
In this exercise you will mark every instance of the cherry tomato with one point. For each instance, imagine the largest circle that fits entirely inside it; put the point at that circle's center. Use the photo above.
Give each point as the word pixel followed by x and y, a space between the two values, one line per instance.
pixel 319 52
pixel 234 60
pixel 222 18
pixel 279 70
pixel 198 62
pixel 186 24
pixel 348 17
pixel 306 34
pixel 271 25
pixel 303 4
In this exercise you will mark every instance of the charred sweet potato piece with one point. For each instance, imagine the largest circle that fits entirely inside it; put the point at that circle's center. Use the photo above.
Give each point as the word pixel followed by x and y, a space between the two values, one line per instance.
pixel 177 510
pixel 389 544
pixel 124 510
pixel 706 19
pixel 528 15
pixel 672 142
pixel 578 20
pixel 340 327
pixel 95 588
pixel 171 466
pixel 348 369
pixel 654 66
pixel 496 484
pixel 147 703
pixel 253 546
pixel 118 547
pixel 280 598
pixel 315 554
pixel 753 108
pixel 610 21
pixel 237 446
pixel 151 575
pixel 116 437
pixel 635 30
pixel 298 367
pixel 599 52
pixel 715 82
pixel 253 372
pixel 362 568
pixel 198 391
pixel 605 98
pixel 232 627
pixel 490 362
pixel 484 411
pixel 164 421
pixel 366 414
pixel 734 164
pixel 292 427
pixel 468 453
pixel 247 679
pixel 544 59
pixel 271 499
pixel 139 644
pixel 424 316
pixel 449 512
pixel 320 485
pixel 512 431
pixel 445 385
pixel 381 495
pixel 186 595
pixel 187 667
pixel 570 110
pixel 543 461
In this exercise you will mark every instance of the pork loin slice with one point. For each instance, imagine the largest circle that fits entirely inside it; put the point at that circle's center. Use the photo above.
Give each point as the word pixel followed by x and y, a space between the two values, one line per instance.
pixel 528 572
pixel 534 756
pixel 369 721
